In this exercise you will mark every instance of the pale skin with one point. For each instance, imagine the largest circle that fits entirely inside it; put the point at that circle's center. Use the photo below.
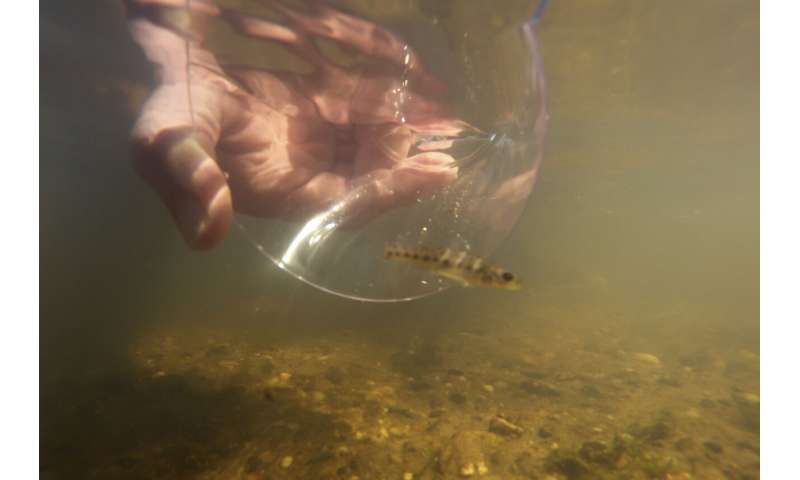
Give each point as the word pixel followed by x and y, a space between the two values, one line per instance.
pixel 275 144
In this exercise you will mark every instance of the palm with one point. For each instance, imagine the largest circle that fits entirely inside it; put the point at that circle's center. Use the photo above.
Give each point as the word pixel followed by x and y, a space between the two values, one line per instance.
pixel 291 144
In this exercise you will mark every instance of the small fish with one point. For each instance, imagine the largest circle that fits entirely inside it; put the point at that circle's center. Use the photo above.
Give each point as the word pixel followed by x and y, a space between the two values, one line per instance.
pixel 467 270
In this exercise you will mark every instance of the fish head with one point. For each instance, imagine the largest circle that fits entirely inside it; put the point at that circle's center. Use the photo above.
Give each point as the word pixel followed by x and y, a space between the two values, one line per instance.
pixel 506 280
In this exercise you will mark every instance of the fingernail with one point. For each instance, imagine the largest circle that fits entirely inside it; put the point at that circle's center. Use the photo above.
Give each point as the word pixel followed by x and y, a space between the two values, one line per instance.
pixel 204 227
pixel 193 221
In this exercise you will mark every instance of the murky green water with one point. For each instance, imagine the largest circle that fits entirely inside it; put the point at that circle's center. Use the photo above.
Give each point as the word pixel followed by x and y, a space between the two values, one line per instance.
pixel 632 352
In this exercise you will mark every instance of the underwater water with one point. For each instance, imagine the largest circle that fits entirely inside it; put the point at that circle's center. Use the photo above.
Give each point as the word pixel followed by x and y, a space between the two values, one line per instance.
pixel 631 352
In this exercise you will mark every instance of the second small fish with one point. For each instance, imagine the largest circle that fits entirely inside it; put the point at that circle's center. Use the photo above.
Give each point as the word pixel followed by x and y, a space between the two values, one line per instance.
pixel 461 267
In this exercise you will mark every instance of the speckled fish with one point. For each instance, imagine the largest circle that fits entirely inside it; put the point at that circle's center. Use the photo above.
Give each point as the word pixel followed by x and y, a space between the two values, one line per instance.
pixel 467 270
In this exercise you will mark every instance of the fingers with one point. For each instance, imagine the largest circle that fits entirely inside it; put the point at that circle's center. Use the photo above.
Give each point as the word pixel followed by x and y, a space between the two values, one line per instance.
pixel 167 153
pixel 189 183
pixel 386 189
pixel 361 35
pixel 417 176
pixel 357 202
pixel 175 121
pixel 263 29
pixel 184 18
pixel 380 146
pixel 441 126
pixel 365 37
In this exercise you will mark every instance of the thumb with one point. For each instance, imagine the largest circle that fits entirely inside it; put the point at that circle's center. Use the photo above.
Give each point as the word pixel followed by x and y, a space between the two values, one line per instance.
pixel 190 184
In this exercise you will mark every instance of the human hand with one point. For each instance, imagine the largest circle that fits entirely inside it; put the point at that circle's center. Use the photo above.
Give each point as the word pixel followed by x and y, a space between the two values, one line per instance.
pixel 277 144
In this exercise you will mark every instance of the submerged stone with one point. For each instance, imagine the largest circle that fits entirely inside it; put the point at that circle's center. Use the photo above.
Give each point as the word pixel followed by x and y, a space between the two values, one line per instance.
pixel 501 426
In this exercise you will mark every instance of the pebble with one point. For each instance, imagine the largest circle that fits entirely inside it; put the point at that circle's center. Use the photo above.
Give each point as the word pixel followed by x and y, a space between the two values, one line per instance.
pixel 286 462
pixel 457 398
pixel 464 456
pixel 712 446
pixel 318 396
pixel 751 398
pixel 228 364
pixel 335 375
pixel 501 426
pixel 488 388
pixel 540 389
pixel 647 358
pixel 408 476
pixel 693 413
pixel 399 431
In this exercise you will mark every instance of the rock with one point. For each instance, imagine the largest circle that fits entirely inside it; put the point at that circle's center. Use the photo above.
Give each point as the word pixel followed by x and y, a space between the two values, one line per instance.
pixel 286 462
pixel 545 433
pixel 568 465
pixel 712 446
pixel 534 375
pixel 335 375
pixel 402 411
pixel 466 454
pixel 501 426
pixel 628 377
pixel 417 454
pixel 228 364
pixel 457 397
pixel 318 396
pixel 419 385
pixel 655 432
pixel 707 403
pixel 539 389
pixel 684 444
pixel 648 358
pixel 696 360
pixel 591 391
pixel 527 465
pixel 399 431
pixel 669 381
pixel 749 407
pixel 384 395
pixel 599 452
pixel 216 351
pixel 488 389
pixel 749 447
pixel 265 366
pixel 268 394
pixel 413 362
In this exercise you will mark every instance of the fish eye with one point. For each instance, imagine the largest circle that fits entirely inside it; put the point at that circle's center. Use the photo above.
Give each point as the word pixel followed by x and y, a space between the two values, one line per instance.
pixel 508 276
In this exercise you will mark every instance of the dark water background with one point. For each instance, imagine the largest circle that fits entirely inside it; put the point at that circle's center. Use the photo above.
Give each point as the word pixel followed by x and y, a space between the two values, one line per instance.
pixel 644 221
